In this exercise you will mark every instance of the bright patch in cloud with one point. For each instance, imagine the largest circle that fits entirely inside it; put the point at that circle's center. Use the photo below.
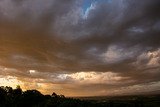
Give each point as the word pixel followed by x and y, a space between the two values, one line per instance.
pixel 32 71
pixel 148 59
pixel 115 54
pixel 93 77
pixel 9 81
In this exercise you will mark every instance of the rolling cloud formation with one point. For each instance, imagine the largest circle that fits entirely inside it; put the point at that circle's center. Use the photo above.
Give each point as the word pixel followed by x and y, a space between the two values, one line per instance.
pixel 111 47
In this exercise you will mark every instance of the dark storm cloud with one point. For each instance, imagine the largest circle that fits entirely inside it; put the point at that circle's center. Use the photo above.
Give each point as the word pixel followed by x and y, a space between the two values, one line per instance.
pixel 55 37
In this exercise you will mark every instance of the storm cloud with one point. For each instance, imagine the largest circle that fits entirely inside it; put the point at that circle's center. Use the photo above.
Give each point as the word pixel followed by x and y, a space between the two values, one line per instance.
pixel 111 45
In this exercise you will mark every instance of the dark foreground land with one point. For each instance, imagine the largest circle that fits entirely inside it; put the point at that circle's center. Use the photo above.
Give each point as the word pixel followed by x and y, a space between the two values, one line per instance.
pixel 32 98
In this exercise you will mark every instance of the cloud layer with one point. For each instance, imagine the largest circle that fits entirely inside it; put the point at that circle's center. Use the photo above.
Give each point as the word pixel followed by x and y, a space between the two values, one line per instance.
pixel 114 44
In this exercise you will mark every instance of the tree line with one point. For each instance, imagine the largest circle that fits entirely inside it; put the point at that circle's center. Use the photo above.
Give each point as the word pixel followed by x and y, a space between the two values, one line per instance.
pixel 10 97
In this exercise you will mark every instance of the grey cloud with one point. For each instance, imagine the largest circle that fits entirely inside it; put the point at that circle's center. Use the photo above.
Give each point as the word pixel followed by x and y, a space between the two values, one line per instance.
pixel 52 36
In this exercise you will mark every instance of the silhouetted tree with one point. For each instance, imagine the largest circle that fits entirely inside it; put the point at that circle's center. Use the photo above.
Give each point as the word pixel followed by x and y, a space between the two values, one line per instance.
pixel 54 95
pixel 31 98
pixel 17 91
pixel 3 96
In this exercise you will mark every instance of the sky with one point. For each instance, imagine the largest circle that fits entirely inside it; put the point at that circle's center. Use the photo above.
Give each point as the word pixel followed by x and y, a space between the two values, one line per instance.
pixel 80 47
